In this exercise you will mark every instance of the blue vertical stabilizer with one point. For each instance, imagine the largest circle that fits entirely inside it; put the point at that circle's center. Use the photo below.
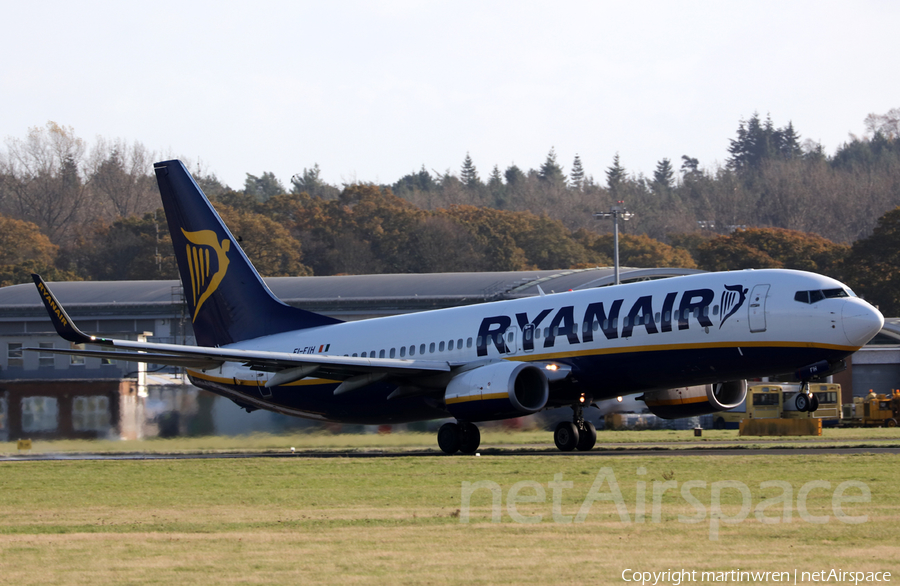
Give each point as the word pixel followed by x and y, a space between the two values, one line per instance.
pixel 228 300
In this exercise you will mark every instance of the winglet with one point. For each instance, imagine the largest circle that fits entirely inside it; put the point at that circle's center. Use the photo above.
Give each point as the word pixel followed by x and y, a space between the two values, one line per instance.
pixel 61 320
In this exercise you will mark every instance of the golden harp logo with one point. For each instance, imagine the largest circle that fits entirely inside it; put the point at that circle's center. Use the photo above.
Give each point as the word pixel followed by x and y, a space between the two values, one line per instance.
pixel 204 281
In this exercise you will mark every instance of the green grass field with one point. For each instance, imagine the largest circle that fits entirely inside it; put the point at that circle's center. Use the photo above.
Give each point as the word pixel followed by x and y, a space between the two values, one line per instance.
pixel 399 520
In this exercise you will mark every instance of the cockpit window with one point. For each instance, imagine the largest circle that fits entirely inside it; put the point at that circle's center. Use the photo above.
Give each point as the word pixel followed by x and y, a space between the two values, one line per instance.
pixel 819 294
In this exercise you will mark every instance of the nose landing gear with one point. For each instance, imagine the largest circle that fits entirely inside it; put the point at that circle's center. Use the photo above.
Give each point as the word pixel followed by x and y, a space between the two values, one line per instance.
pixel 806 401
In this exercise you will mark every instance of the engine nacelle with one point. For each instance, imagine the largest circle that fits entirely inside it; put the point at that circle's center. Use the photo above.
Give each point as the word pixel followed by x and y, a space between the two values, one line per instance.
pixel 699 400
pixel 497 391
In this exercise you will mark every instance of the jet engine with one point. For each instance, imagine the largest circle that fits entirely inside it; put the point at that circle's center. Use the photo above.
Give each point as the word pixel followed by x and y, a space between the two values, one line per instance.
pixel 699 400
pixel 497 391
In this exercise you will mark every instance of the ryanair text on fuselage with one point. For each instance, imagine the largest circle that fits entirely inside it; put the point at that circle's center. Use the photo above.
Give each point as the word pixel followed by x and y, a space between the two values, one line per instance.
pixel 605 318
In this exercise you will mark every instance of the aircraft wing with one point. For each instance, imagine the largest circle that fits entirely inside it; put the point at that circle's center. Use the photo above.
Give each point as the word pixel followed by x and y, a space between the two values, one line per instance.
pixel 287 366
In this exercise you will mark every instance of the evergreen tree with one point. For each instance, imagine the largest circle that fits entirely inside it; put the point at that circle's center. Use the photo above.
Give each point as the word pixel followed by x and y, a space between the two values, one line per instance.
pixel 615 176
pixel 550 171
pixel 263 187
pixel 514 176
pixel 496 187
pixel 662 177
pixel 759 141
pixel 576 179
pixel 310 182
pixel 422 181
pixel 689 165
pixel 469 174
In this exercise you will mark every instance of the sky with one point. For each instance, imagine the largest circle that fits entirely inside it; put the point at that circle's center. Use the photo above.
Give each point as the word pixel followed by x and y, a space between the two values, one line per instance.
pixel 371 91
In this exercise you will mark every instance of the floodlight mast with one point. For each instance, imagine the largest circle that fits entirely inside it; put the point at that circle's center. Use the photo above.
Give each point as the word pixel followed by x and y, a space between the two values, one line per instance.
pixel 617 211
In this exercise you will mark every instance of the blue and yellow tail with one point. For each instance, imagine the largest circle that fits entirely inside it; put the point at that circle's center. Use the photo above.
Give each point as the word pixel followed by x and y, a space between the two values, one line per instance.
pixel 228 300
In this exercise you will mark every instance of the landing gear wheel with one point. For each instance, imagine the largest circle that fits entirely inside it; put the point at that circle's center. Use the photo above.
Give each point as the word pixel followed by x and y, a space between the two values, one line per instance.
pixel 566 436
pixel 469 438
pixel 802 402
pixel 449 438
pixel 587 437
pixel 890 422
pixel 813 403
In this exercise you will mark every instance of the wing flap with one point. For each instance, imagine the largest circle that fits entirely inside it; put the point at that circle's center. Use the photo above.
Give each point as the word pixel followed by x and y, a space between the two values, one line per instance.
pixel 148 357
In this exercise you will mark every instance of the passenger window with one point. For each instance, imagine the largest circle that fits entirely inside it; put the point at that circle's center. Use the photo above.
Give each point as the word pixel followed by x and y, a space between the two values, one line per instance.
pixel 381 354
pixel 510 337
pixel 441 347
pixel 606 324
pixel 528 334
pixel 537 333
pixel 706 311
pixel 422 349
pixel 363 355
pixel 656 317
pixel 402 351
pixel 625 322
pixel 371 354
pixel 412 350
pixel 450 345
pixel 468 342
pixel 596 326
pixel 715 310
pixel 667 316
pixel 431 348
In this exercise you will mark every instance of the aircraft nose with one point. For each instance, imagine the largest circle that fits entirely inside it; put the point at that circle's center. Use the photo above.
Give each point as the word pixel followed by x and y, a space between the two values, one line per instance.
pixel 861 321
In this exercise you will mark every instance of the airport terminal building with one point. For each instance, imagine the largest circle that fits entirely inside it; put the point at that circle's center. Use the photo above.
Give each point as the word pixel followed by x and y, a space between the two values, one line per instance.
pixel 50 395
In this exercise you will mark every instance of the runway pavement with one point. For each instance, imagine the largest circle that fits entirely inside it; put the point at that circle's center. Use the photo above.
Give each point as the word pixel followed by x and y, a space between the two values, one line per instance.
pixel 719 449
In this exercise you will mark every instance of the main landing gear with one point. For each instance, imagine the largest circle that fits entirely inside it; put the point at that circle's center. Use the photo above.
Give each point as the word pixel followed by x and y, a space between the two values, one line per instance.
pixel 459 437
pixel 578 434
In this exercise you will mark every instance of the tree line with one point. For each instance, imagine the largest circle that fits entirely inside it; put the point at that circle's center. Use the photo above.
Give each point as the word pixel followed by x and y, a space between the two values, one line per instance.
pixel 72 212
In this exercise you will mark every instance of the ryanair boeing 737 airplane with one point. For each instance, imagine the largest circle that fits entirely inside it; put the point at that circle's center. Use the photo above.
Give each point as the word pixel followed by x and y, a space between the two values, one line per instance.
pixel 687 343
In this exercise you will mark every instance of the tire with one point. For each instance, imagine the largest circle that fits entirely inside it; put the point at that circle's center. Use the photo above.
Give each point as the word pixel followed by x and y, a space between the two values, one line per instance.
pixel 469 438
pixel 802 402
pixel 587 437
pixel 719 423
pixel 813 403
pixel 890 422
pixel 449 438
pixel 566 436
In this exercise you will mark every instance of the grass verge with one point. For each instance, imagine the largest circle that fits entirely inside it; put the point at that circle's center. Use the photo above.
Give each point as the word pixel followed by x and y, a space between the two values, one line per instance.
pixel 401 520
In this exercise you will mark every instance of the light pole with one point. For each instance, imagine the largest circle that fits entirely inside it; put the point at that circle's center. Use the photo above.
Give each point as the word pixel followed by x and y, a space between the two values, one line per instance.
pixel 617 211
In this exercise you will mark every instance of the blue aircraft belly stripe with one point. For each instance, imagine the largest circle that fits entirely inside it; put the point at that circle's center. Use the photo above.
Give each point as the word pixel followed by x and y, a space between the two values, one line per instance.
pixel 600 374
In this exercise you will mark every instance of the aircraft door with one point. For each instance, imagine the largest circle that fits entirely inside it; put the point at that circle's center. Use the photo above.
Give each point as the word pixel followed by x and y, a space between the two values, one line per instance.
pixel 527 339
pixel 757 308
pixel 510 338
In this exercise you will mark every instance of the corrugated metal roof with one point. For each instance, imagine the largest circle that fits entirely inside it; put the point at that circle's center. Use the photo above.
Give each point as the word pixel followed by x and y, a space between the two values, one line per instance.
pixel 402 289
